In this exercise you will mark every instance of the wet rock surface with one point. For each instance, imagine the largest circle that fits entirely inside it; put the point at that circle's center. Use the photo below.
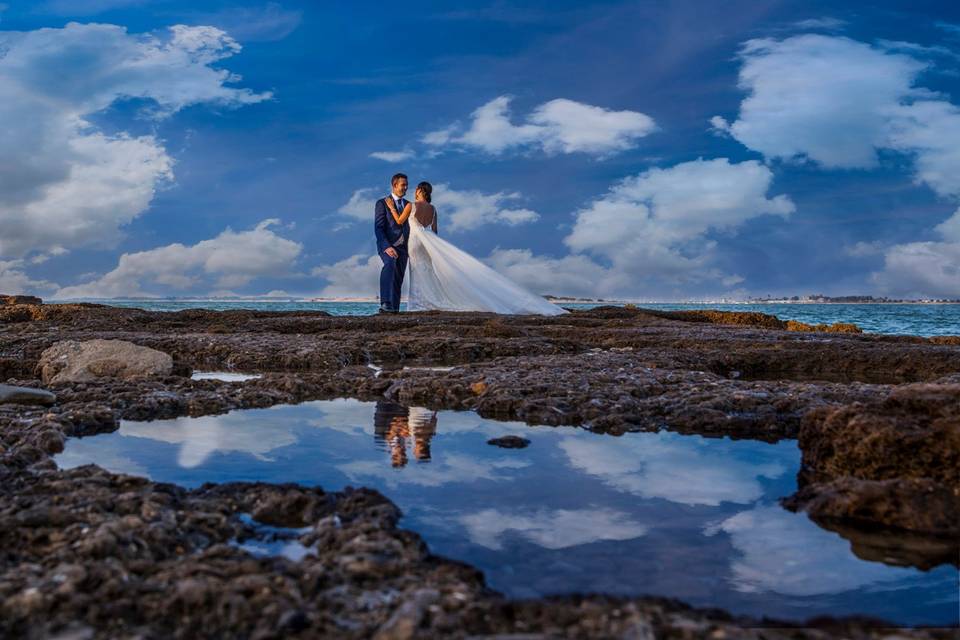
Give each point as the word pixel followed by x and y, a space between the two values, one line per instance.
pixel 25 395
pixel 894 462
pixel 94 553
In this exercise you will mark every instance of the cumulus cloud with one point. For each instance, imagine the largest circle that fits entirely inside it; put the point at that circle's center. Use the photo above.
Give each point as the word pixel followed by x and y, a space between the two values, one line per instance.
pixel 361 204
pixel 574 275
pixel 824 98
pixel 232 259
pixel 838 102
pixel 921 270
pixel 557 126
pixel 655 224
pixel 65 183
pixel 358 275
pixel 468 210
pixel 456 210
pixel 14 280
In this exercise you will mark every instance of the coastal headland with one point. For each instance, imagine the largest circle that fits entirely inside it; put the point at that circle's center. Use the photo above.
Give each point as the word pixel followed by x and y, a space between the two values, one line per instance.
pixel 92 553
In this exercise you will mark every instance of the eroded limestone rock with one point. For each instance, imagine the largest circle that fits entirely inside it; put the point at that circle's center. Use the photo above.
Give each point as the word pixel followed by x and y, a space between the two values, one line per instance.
pixel 72 361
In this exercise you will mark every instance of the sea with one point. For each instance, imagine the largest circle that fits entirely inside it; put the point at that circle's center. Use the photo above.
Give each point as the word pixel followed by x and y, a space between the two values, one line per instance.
pixel 916 319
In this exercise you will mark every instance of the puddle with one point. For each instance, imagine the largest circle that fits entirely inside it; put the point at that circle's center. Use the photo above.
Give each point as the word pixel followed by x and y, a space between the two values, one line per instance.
pixel 274 541
pixel 644 513
pixel 224 376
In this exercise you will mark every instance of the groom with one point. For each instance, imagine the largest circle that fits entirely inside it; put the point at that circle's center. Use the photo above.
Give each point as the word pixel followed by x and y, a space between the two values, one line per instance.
pixel 391 245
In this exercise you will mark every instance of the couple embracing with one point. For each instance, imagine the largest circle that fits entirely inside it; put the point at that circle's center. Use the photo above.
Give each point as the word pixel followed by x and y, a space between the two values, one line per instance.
pixel 441 275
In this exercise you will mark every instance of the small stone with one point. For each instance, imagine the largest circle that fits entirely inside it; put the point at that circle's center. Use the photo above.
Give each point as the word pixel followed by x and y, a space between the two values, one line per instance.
pixel 509 442
pixel 25 395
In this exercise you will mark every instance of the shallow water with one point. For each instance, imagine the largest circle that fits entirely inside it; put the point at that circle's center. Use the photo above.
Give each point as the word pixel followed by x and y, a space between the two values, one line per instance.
pixel 898 319
pixel 661 514
pixel 224 376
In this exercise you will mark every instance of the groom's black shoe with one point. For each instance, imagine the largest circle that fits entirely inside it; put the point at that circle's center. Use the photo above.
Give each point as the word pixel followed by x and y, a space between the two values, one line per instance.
pixel 385 309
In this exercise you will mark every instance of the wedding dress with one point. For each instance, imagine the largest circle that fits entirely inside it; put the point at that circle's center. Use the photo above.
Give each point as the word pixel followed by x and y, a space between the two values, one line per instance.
pixel 441 276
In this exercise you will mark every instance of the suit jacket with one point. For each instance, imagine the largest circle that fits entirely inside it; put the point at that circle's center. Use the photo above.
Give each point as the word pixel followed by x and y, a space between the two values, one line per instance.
pixel 387 230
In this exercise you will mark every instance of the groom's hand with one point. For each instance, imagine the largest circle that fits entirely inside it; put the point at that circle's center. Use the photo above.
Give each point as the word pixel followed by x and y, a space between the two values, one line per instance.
pixel 390 251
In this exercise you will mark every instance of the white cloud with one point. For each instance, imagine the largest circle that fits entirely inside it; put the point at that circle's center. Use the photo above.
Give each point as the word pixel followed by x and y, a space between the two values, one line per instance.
pixel 570 275
pixel 14 280
pixel 551 529
pixel 949 229
pixel 921 270
pixel 232 258
pixel 557 126
pixel 468 210
pixel 654 225
pixel 392 156
pixel 456 210
pixel 820 97
pixel 64 183
pixel 360 205
pixel 358 275
pixel 837 102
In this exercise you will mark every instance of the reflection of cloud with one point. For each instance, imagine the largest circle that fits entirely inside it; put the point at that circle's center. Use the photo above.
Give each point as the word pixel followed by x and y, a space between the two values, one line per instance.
pixel 552 529
pixel 685 469
pixel 450 469
pixel 786 553
pixel 83 451
pixel 252 433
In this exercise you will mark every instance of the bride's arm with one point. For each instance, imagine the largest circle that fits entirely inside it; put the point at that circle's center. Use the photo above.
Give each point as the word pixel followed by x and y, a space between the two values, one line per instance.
pixel 399 219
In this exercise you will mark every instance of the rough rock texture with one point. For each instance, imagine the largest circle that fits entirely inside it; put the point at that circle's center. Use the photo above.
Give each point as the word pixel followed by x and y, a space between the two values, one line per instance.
pixel 894 462
pixel 25 395
pixel 6 299
pixel 88 552
pixel 72 361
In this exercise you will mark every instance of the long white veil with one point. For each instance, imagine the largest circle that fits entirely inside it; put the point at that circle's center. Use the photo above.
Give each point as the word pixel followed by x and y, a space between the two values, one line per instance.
pixel 441 276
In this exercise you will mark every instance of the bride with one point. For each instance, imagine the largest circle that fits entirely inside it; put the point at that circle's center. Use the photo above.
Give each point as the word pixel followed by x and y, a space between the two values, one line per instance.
pixel 444 277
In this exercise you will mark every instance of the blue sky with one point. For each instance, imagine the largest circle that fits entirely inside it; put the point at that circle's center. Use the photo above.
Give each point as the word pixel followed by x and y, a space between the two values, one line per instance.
pixel 649 150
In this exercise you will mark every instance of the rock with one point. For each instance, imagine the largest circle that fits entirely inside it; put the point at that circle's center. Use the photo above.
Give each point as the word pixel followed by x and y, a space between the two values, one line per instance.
pixel 71 361
pixel 403 624
pixel 11 300
pixel 893 462
pixel 509 442
pixel 25 395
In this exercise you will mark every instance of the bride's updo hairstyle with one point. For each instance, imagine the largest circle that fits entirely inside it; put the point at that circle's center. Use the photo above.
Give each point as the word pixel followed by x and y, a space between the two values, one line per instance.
pixel 427 190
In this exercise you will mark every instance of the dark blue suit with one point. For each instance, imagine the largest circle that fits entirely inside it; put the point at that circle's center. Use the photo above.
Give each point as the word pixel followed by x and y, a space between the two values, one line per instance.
pixel 388 234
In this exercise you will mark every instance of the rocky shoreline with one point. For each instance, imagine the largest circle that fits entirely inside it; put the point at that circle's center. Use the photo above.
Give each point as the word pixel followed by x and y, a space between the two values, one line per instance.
pixel 99 554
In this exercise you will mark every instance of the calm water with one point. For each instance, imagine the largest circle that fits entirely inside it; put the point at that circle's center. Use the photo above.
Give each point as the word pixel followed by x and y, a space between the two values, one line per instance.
pixel 662 514
pixel 901 319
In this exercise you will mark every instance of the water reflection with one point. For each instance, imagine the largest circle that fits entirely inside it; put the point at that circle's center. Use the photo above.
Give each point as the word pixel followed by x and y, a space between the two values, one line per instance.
pixel 654 513
pixel 398 426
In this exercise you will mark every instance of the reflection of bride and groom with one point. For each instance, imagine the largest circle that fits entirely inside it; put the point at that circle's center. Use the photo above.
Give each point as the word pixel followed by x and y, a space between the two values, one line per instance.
pixel 442 276
pixel 397 425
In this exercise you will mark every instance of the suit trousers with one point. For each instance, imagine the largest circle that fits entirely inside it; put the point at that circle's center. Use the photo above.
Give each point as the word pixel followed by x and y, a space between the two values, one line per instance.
pixel 391 278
